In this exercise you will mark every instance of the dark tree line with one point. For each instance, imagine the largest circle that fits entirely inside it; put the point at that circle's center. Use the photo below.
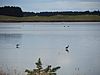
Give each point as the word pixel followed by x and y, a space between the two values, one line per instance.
pixel 17 11
pixel 29 14
pixel 11 11
pixel 68 13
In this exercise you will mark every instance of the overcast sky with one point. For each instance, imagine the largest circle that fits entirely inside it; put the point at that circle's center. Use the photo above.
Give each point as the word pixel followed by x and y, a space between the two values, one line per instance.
pixel 53 5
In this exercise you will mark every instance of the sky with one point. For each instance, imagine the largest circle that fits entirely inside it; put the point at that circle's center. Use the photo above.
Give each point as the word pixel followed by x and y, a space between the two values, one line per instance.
pixel 53 5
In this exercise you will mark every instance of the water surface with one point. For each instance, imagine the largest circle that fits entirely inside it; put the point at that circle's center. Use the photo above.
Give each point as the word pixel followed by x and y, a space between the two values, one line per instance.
pixel 48 41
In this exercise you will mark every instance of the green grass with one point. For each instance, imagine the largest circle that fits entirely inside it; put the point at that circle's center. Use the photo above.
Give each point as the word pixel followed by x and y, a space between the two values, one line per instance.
pixel 51 18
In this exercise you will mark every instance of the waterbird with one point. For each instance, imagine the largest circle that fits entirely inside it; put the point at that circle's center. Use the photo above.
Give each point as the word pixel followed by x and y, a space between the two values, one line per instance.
pixel 67 48
pixel 67 26
pixel 17 45
pixel 78 68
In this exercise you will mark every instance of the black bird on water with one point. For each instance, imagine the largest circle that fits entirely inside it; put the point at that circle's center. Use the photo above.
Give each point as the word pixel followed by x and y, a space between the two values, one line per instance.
pixel 67 49
pixel 67 26
pixel 17 45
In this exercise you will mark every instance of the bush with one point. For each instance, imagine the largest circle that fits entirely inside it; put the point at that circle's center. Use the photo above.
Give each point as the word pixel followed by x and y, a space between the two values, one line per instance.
pixel 40 71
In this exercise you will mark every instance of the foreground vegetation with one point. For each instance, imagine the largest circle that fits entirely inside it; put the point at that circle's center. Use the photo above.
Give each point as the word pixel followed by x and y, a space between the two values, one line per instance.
pixel 56 18
pixel 40 71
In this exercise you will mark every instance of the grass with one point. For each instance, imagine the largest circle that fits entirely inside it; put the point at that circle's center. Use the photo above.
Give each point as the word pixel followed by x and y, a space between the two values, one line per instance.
pixel 57 18
pixel 10 72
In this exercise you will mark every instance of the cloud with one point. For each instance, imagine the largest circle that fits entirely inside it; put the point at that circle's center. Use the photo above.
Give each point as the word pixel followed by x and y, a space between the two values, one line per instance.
pixel 64 6
pixel 53 5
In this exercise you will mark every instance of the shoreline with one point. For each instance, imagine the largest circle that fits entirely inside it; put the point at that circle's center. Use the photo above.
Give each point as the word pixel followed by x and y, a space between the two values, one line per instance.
pixel 60 18
pixel 51 21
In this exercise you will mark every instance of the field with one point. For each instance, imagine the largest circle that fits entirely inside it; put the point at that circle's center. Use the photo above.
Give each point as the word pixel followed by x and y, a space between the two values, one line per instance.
pixel 57 18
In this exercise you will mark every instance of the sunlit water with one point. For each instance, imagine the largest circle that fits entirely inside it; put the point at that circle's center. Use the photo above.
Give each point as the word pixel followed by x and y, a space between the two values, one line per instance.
pixel 48 41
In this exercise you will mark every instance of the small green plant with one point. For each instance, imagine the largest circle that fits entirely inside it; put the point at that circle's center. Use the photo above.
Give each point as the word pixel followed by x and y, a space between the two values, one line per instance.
pixel 40 71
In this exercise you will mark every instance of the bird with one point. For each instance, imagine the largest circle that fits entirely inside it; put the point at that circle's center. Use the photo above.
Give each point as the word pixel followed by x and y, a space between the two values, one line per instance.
pixel 67 48
pixel 67 26
pixel 17 45
pixel 78 68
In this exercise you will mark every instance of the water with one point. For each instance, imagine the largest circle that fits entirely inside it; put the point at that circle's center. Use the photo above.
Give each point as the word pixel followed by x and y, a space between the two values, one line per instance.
pixel 48 41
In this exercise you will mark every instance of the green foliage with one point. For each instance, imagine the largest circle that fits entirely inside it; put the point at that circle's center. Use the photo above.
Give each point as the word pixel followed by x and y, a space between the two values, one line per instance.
pixel 39 64
pixel 29 72
pixel 40 71
pixel 55 69
pixel 48 68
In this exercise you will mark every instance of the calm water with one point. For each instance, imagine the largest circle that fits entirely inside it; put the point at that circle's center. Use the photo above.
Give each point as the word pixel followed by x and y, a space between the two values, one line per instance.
pixel 48 41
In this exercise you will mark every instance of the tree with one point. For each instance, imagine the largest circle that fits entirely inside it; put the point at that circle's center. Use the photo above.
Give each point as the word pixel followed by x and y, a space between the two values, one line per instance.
pixel 39 64
pixel 55 69
pixel 11 11
pixel 40 71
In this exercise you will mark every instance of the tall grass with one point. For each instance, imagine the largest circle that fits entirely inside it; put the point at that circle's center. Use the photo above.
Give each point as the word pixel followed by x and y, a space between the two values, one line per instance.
pixel 4 70
pixel 51 18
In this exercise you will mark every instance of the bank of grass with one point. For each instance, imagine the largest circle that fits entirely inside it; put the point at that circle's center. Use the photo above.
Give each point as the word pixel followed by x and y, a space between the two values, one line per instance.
pixel 57 18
